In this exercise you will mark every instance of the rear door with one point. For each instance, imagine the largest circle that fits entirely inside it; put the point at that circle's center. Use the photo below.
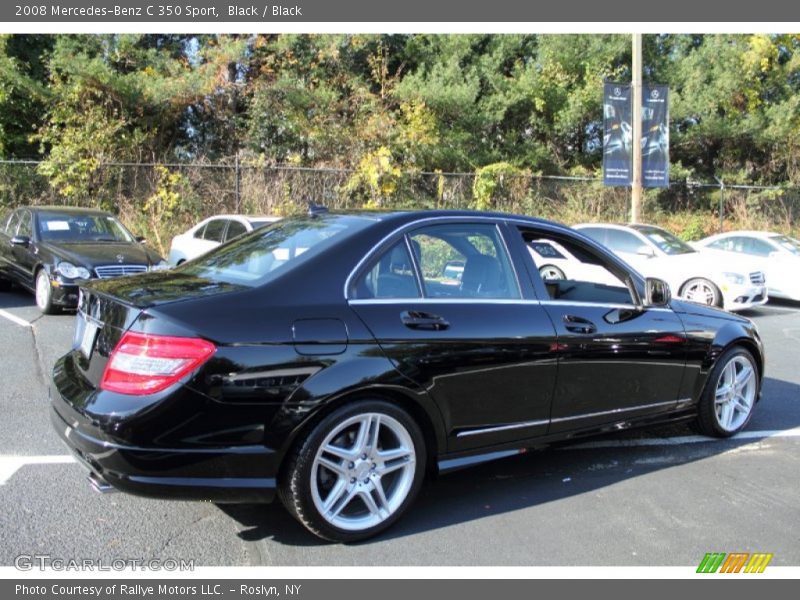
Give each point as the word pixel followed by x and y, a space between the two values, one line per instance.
pixel 475 341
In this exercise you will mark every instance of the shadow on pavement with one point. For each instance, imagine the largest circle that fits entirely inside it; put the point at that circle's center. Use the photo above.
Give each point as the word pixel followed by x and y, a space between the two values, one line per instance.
pixel 531 479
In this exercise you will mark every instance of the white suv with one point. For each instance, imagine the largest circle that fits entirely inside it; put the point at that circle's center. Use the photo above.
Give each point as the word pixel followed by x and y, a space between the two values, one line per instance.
pixel 692 275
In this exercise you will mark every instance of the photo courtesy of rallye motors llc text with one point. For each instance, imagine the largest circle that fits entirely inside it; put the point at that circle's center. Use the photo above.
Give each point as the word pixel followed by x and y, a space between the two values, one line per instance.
pixel 144 591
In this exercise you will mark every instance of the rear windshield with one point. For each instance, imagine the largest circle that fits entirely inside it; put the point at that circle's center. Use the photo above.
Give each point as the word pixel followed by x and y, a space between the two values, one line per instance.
pixel 267 253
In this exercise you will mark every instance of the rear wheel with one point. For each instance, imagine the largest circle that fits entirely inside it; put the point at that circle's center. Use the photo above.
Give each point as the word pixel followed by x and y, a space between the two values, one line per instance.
pixel 44 293
pixel 730 394
pixel 356 472
pixel 701 291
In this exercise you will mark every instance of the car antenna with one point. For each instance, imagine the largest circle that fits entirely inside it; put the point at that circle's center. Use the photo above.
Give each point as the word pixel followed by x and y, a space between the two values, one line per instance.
pixel 316 209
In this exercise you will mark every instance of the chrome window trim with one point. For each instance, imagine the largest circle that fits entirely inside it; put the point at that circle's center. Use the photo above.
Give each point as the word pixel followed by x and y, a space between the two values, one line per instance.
pixel 404 229
pixel 362 301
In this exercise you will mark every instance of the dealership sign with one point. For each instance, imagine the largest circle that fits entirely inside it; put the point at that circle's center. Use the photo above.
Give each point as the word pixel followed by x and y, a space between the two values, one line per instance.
pixel 618 135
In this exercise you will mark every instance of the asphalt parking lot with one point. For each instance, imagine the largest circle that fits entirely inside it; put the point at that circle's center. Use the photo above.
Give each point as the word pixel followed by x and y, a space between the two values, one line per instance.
pixel 657 497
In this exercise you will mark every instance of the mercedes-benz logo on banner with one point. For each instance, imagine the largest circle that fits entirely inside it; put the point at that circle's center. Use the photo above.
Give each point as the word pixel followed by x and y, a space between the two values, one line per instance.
pixel 120 258
pixel 654 94
pixel 617 91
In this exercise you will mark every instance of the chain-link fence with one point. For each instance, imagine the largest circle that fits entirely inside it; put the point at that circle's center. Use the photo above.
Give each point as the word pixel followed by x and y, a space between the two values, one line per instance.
pixel 197 190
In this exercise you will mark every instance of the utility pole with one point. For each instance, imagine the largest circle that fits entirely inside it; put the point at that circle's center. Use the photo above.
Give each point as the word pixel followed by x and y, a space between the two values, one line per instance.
pixel 636 150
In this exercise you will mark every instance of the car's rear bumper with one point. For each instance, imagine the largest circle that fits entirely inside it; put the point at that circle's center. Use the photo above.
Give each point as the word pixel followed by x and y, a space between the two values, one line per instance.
pixel 227 474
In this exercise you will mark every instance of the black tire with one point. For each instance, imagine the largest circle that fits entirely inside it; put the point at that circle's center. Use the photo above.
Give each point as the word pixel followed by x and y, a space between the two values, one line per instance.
pixel 708 420
pixel 298 475
pixel 43 292
pixel 715 298
pixel 551 272
pixel 5 285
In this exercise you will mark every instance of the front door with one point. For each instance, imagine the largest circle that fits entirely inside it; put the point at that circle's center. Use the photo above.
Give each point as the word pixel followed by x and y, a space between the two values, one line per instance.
pixel 616 360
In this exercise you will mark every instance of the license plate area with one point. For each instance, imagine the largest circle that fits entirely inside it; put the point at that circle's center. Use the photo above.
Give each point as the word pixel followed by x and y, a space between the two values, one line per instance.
pixel 86 335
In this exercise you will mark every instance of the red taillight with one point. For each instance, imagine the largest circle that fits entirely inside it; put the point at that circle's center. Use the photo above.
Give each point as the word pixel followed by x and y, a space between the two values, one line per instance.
pixel 146 364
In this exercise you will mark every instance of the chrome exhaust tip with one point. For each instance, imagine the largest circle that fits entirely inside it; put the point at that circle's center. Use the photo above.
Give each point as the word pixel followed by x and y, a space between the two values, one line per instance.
pixel 100 485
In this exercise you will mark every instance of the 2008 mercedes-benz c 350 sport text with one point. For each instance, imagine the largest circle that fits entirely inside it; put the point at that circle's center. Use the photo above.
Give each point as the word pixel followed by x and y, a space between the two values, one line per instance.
pixel 335 360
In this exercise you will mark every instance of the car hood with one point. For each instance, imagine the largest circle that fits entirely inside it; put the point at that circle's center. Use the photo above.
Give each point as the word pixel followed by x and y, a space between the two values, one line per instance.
pixel 718 261
pixel 93 254
pixel 160 287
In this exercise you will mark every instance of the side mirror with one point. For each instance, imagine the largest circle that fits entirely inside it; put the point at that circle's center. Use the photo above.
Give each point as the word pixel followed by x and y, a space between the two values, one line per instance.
pixel 656 292
pixel 645 251
pixel 21 240
pixel 141 239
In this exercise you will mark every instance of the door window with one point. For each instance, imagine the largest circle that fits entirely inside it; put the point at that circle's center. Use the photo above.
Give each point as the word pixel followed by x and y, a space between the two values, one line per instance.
pixel 25 228
pixel 235 229
pixel 464 261
pixel 214 230
pixel 623 241
pixel 576 273
pixel 391 276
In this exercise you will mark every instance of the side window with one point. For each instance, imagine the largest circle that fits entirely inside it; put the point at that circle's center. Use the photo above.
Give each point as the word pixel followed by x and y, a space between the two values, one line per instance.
pixel 25 227
pixel 11 224
pixel 598 234
pixel 391 276
pixel 235 229
pixel 464 261
pixel 723 244
pixel 214 230
pixel 757 247
pixel 198 235
pixel 623 241
pixel 575 273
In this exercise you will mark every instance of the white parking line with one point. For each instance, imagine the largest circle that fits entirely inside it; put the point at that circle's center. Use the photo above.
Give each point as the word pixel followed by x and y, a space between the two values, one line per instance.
pixel 11 464
pixel 14 318
pixel 683 439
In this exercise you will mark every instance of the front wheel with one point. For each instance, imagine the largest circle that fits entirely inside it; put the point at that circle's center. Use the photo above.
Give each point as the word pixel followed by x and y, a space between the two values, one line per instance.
pixel 702 291
pixel 44 293
pixel 356 472
pixel 730 394
pixel 551 272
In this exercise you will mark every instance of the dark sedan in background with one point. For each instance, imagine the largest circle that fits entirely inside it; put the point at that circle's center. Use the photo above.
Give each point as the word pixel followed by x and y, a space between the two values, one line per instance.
pixel 335 360
pixel 51 250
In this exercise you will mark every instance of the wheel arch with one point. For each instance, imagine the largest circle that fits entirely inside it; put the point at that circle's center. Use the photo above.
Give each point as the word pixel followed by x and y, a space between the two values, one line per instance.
pixel 727 338
pixel 432 429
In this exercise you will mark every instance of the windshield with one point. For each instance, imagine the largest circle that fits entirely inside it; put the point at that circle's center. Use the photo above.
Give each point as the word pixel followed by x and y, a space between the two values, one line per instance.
pixel 787 243
pixel 70 227
pixel 263 255
pixel 665 241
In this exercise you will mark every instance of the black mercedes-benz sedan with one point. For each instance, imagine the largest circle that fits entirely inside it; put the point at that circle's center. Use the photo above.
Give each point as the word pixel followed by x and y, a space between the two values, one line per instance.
pixel 50 250
pixel 333 359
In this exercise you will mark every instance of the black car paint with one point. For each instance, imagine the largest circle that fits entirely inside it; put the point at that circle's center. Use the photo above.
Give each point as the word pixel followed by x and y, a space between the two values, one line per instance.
pixel 22 260
pixel 223 431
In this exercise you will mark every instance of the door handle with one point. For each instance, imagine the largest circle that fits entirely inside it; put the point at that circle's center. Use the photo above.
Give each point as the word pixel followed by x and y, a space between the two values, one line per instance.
pixel 579 324
pixel 414 319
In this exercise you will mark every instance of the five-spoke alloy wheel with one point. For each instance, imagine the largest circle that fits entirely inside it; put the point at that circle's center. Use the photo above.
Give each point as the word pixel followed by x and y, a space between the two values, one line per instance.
pixel 702 291
pixel 356 472
pixel 730 395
